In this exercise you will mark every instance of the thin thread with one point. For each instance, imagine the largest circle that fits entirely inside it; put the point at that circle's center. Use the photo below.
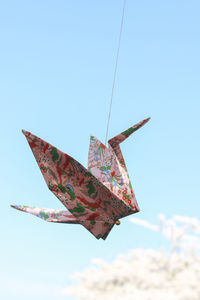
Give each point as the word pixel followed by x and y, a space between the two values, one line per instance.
pixel 115 71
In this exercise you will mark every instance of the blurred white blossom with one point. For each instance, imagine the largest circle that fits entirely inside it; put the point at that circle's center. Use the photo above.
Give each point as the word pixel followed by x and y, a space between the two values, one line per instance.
pixel 182 232
pixel 148 274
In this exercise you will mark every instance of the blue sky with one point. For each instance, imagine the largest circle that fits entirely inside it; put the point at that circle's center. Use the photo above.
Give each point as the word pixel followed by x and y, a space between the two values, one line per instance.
pixel 56 69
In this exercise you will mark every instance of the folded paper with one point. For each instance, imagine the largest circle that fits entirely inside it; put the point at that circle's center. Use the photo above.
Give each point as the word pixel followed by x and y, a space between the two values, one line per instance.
pixel 95 198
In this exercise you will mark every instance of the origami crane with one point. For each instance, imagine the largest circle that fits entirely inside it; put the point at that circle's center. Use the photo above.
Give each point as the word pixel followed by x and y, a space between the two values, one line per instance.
pixel 95 198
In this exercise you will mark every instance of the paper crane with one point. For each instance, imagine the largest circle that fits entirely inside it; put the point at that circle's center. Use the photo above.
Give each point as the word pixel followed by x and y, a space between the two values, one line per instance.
pixel 95 198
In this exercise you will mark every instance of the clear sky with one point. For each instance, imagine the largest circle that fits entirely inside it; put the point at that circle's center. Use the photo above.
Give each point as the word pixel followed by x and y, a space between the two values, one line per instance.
pixel 56 69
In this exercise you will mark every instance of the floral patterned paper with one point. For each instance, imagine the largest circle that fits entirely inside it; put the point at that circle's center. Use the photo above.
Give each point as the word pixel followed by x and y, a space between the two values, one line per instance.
pixel 49 214
pixel 95 198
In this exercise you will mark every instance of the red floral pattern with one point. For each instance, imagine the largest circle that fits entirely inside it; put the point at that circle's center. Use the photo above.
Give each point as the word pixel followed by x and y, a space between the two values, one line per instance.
pixel 94 198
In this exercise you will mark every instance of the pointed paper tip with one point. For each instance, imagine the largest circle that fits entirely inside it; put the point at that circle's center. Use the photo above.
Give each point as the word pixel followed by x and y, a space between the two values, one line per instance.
pixel 14 206
pixel 19 207
pixel 147 119
pixel 26 133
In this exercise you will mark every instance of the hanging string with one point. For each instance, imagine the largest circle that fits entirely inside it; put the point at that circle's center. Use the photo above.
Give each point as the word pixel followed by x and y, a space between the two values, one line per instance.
pixel 115 71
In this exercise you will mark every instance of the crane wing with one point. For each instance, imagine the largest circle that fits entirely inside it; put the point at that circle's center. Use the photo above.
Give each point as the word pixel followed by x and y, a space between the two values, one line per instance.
pixel 87 199
pixel 108 165
pixel 49 214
